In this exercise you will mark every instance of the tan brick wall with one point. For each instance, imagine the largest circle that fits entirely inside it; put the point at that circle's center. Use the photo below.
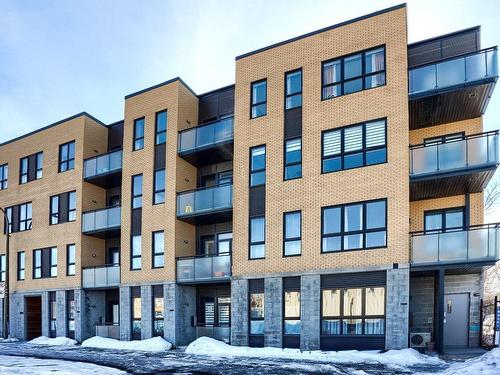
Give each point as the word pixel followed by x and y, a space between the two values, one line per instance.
pixel 314 190
pixel 472 126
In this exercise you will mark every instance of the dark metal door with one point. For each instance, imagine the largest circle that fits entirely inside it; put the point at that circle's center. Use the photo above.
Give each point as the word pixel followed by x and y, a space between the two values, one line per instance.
pixel 456 307
pixel 33 317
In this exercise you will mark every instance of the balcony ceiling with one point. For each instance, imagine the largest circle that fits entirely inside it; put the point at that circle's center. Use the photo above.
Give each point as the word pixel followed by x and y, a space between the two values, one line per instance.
pixel 210 155
pixel 106 180
pixel 210 217
pixel 451 269
pixel 105 233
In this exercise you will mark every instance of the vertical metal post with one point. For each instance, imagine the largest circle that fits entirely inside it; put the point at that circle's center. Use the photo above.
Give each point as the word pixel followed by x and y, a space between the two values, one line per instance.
pixel 439 305
pixel 6 289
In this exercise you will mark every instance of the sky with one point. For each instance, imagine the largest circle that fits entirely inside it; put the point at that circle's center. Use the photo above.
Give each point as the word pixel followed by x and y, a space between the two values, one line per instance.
pixel 59 58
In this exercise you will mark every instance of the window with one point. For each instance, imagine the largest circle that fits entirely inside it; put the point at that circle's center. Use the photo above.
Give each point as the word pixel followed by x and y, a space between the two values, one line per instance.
pixel 70 259
pixel 224 243
pixel 19 218
pixel 21 265
pixel 136 252
pixel 3 267
pixel 136 313
pixel 257 165
pixel 138 134
pixel 158 249
pixel 353 311
pixel 52 314
pixel 448 219
pixel 292 312
pixel 293 159
pixel 45 263
pixel 4 176
pixel 354 226
pixel 259 99
pixel 158 316
pixel 137 191
pixel 8 225
pixel 53 262
pixel 159 187
pixel 160 127
pixel 293 91
pixel 354 146
pixel 256 307
pixel 25 217
pixel 70 313
pixel 349 74
pixel 37 264
pixel 257 237
pixel 292 233
pixel 63 208
pixel 67 156
pixel 31 168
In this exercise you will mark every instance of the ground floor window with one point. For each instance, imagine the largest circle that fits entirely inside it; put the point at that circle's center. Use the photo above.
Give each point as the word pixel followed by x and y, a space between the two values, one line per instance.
pixel 256 306
pixel 52 314
pixel 158 311
pixel 291 302
pixel 353 311
pixel 136 312
pixel 70 313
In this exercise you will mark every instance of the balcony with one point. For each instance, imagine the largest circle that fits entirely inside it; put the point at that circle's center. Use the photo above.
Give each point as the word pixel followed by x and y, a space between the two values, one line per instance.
pixel 104 170
pixel 453 167
pixel 206 205
pixel 101 277
pixel 103 223
pixel 204 269
pixel 208 143
pixel 453 89
pixel 474 244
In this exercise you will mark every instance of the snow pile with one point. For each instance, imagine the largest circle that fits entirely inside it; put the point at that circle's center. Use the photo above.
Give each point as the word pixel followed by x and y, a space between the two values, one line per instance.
pixel 156 344
pixel 487 364
pixel 10 339
pixel 58 341
pixel 403 357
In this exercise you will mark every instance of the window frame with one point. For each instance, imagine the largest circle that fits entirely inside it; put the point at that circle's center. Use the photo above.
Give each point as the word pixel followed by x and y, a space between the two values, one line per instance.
pixel 250 243
pixel 69 162
pixel 297 93
pixel 256 291
pixel 160 190
pixel 4 176
pixel 21 254
pixel 363 231
pixel 134 195
pixel 259 170
pixel 132 256
pixel 364 150
pixel 443 212
pixel 28 221
pixel 3 267
pixel 23 174
pixel 37 267
pixel 252 104
pixel 37 158
pixel 52 265
pixel 291 164
pixel 286 318
pixel 363 75
pixel 138 146
pixel 162 132
pixel 70 247
pixel 292 239
pixel 154 253
pixel 38 169
pixel 156 319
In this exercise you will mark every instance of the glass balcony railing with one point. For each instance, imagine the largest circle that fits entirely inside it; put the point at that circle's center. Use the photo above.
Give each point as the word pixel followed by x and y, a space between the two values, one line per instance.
pixel 101 220
pixel 205 200
pixel 204 268
pixel 101 276
pixel 474 243
pixel 455 71
pixel 207 135
pixel 102 164
pixel 473 151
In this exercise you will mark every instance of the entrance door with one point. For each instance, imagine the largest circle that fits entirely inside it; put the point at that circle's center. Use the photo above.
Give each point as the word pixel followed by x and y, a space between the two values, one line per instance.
pixel 208 311
pixel 456 307
pixel 33 317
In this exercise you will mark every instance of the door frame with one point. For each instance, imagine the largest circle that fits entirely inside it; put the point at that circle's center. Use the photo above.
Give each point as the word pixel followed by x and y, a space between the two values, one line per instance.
pixel 25 315
pixel 468 316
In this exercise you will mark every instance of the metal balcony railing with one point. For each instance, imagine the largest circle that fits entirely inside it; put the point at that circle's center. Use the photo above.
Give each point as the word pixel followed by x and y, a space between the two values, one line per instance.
pixel 206 135
pixel 101 276
pixel 463 245
pixel 468 152
pixel 204 268
pixel 205 200
pixel 102 164
pixel 101 220
pixel 454 71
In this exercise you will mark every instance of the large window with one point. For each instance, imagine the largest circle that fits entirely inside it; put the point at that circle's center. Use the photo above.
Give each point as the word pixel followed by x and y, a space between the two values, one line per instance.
pixel 291 317
pixel 25 216
pixel 257 237
pixel 53 262
pixel 158 249
pixel 158 311
pixel 353 311
pixel 31 168
pixel 52 314
pixel 259 99
pixel 19 218
pixel 4 176
pixel 45 262
pixel 21 265
pixel 292 233
pixel 256 306
pixel 353 73
pixel 138 134
pixel 3 267
pixel 293 158
pixel 257 165
pixel 63 208
pixel 136 253
pixel 161 127
pixel 136 313
pixel 354 146
pixel 448 219
pixel 70 259
pixel 354 226
pixel 70 313
pixel 293 89
pixel 37 264
pixel 137 191
pixel 159 186
pixel 67 156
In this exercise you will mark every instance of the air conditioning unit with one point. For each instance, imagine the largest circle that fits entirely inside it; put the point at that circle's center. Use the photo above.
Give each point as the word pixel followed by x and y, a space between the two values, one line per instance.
pixel 418 340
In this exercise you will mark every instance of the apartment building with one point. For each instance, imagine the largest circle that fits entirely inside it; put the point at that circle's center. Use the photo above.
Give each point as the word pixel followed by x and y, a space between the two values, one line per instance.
pixel 332 198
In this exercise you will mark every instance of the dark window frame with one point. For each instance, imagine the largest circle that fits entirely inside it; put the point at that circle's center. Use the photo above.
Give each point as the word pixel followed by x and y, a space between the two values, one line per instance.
pixel 250 243
pixel 252 104
pixel 66 160
pixel 161 132
pixel 363 75
pixel 291 164
pixel 4 176
pixel 154 253
pixel 71 212
pixel 160 190
pixel 443 212
pixel 258 170
pixel 138 142
pixel 70 313
pixel 364 150
pixel 296 93
pixel 37 267
pixel 21 271
pixel 253 319
pixel 291 239
pixel 25 176
pixel 361 232
pixel 28 221
pixel 157 319
pixel 70 247
pixel 132 256
pixel 52 314
pixel 284 317
pixel 3 267
pixel 134 194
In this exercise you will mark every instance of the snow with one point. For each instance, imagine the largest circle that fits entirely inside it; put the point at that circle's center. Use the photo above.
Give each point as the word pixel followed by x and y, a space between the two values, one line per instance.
pixel 57 341
pixel 10 339
pixel 487 364
pixel 155 344
pixel 403 357
pixel 32 366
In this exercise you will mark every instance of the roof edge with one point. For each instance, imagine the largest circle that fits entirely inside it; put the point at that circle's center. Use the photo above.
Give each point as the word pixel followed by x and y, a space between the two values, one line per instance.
pixel 328 28
pixel 160 85
pixel 216 90
pixel 478 27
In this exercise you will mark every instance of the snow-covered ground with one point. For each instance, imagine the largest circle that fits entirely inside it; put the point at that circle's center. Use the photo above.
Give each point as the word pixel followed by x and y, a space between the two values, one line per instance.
pixel 404 357
pixel 33 366
pixel 56 341
pixel 156 344
pixel 487 364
